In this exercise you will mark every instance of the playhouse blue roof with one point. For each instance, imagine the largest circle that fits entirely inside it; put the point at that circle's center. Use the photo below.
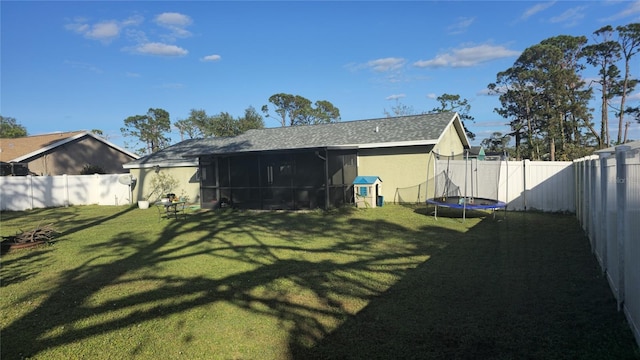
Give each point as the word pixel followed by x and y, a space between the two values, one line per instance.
pixel 366 179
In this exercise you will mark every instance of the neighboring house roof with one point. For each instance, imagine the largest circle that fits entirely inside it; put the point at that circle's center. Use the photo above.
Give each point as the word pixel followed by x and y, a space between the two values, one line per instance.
pixel 25 148
pixel 425 129
pixel 632 145
pixel 475 150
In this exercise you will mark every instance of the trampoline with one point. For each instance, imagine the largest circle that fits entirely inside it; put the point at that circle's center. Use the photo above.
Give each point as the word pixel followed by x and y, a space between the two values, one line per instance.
pixel 460 202
pixel 479 184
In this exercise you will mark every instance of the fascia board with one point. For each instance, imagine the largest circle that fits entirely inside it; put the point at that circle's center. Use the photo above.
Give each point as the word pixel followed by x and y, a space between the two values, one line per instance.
pixel 68 140
pixel 160 164
pixel 393 144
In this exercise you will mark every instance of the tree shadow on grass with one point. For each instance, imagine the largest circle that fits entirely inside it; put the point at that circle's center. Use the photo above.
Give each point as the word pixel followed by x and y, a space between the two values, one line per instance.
pixel 360 288
pixel 24 266
pixel 334 265
pixel 526 288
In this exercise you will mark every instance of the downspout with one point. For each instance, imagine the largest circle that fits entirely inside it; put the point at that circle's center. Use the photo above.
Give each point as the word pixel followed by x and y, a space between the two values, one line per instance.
pixel 326 177
pixel 229 181
pixel 260 182
pixel 217 179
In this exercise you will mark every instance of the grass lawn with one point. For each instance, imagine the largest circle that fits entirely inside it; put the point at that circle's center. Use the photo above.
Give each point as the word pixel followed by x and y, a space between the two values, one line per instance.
pixel 385 283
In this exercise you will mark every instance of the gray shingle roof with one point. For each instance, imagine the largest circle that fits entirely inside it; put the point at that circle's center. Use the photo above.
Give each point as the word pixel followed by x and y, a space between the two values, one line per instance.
pixel 396 131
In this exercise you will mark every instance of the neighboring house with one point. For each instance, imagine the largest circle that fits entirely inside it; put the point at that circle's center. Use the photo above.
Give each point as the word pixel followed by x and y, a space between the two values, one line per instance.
pixel 64 153
pixel 306 167
pixel 480 153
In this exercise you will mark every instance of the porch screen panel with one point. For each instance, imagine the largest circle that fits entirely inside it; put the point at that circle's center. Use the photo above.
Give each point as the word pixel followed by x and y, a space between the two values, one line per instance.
pixel 342 172
pixel 335 169
pixel 276 170
pixel 208 181
pixel 309 170
pixel 350 167
pixel 208 173
pixel 243 171
pixel 308 180
pixel 223 171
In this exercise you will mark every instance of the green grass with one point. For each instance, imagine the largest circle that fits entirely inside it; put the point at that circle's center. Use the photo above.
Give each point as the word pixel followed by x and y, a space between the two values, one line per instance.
pixel 382 283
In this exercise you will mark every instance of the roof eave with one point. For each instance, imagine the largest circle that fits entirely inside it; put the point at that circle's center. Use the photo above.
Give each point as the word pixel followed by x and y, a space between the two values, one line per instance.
pixel 68 140
pixel 396 144
pixel 163 164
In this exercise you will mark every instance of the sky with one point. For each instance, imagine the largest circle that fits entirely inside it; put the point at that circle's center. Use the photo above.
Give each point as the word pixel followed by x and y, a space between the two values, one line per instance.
pixel 69 66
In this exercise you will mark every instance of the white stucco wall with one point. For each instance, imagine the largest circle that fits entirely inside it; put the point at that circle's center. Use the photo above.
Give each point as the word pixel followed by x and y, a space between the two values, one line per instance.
pixel 187 178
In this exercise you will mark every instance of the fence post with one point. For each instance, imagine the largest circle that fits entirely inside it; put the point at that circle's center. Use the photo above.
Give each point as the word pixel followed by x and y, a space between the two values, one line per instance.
pixel 30 190
pixel 593 185
pixel 577 189
pixel 603 208
pixel 524 185
pixel 96 197
pixel 65 177
pixel 621 204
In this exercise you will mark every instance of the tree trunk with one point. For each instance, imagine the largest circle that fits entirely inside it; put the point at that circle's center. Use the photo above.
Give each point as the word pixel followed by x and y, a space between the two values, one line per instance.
pixel 626 131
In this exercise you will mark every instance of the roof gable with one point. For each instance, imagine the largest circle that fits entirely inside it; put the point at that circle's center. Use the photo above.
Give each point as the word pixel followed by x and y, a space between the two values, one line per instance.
pixel 13 148
pixel 28 147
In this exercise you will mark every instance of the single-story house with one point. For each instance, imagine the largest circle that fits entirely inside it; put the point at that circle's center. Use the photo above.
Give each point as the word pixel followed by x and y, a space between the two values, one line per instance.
pixel 306 167
pixel 65 153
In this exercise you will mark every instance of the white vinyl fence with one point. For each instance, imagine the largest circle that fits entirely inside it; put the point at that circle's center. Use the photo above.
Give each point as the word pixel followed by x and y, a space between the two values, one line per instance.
pixel 523 185
pixel 608 207
pixel 30 192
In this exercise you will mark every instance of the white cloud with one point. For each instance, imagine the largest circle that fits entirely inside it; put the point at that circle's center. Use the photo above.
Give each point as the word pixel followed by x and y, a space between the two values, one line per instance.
pixel 132 21
pixel 571 16
pixel 212 58
pixel 160 49
pixel 432 96
pixel 461 26
pixel 386 64
pixel 136 36
pixel 467 57
pixel 536 9
pixel 634 97
pixel 78 27
pixel 631 10
pixel 132 75
pixel 173 19
pixel 104 31
pixel 395 97
pixel 175 22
